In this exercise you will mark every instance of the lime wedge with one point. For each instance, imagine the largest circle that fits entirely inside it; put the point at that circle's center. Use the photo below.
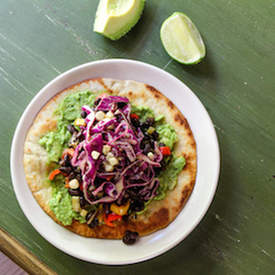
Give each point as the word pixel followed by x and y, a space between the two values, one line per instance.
pixel 181 39
pixel 114 18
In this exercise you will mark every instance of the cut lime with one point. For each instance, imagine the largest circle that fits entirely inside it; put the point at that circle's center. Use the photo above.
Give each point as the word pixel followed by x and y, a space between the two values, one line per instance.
pixel 114 18
pixel 181 39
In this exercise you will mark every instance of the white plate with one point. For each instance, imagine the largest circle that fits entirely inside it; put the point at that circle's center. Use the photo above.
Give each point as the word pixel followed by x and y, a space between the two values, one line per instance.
pixel 113 251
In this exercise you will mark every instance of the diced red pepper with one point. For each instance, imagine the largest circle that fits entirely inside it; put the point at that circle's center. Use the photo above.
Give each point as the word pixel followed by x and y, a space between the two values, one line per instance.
pixel 165 150
pixel 134 116
pixel 110 218
pixel 54 173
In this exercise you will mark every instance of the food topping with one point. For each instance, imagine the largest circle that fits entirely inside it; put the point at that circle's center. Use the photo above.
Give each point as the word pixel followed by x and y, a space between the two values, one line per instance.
pixel 95 155
pixel 117 160
pixel 54 173
pixel 165 150
pixel 120 210
pixel 75 203
pixel 130 237
pixel 74 184
pixel 110 218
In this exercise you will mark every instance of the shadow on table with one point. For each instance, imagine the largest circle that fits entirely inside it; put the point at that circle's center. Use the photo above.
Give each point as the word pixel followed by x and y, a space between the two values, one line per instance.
pixel 205 70
pixel 131 43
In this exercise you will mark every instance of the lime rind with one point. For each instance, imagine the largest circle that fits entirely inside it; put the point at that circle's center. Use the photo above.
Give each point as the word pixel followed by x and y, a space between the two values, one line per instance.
pixel 194 34
pixel 126 28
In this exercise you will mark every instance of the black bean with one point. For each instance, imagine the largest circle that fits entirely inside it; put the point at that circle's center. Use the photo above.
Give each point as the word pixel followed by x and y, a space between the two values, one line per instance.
pixel 94 223
pixel 83 114
pixel 147 137
pixel 71 128
pixel 123 201
pixel 82 201
pixel 97 101
pixel 145 140
pixel 98 181
pixel 155 135
pixel 120 105
pixel 161 144
pixel 89 215
pixel 72 175
pixel 137 205
pixel 67 160
pixel 107 209
pixel 133 194
pixel 150 121
pixel 157 170
pixel 130 237
pixel 144 126
pixel 147 148
pixel 135 122
pixel 75 192
pixel 65 170
pixel 142 144
pixel 80 137
pixel 77 170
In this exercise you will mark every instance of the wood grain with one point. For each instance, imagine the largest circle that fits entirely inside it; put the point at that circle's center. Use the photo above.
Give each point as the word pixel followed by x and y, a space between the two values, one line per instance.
pixel 41 38
pixel 21 256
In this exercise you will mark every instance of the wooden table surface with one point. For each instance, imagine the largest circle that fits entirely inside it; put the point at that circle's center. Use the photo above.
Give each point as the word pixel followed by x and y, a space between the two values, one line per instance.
pixel 39 39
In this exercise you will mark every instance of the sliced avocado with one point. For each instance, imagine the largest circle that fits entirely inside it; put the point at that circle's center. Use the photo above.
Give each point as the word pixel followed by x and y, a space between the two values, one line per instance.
pixel 114 18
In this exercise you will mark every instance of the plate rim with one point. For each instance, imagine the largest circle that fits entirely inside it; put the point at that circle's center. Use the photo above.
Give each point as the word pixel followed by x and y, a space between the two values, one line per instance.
pixel 15 141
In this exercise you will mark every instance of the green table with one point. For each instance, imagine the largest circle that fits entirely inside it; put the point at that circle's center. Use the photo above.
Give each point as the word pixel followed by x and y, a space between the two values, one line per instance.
pixel 39 39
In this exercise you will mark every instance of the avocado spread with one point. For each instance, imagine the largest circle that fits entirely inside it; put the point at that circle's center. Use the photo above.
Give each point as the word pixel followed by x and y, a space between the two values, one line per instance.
pixel 56 141
pixel 61 203
pixel 68 110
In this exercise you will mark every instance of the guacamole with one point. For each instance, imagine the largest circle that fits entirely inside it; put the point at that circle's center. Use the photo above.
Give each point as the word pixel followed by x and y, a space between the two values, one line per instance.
pixel 61 203
pixel 68 110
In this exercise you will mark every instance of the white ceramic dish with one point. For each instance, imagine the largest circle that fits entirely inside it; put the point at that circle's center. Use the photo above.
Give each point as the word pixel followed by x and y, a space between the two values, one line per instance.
pixel 113 251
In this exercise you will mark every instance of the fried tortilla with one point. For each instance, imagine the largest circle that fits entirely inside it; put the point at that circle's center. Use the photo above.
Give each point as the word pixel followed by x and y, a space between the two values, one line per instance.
pixel 159 213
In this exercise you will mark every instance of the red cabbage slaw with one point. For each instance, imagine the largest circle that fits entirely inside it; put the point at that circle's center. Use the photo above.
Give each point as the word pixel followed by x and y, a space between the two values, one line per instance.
pixel 134 169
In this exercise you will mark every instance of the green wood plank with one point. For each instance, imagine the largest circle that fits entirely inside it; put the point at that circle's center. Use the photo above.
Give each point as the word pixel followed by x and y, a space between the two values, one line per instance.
pixel 40 38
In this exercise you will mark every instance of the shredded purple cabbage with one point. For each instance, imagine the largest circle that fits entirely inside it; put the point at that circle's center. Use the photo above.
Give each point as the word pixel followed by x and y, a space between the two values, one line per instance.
pixel 133 169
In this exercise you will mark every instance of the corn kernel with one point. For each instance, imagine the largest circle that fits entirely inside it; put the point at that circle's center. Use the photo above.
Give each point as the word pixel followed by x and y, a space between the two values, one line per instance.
pixel 151 130
pixel 100 115
pixel 95 155
pixel 109 155
pixel 113 161
pixel 106 149
pixel 150 155
pixel 74 184
pixel 108 167
pixel 79 122
pixel 83 213
pixel 75 203
pixel 110 114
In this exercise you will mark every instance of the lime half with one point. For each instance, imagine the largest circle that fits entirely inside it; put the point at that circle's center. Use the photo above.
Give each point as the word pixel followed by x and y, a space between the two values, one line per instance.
pixel 114 18
pixel 181 39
